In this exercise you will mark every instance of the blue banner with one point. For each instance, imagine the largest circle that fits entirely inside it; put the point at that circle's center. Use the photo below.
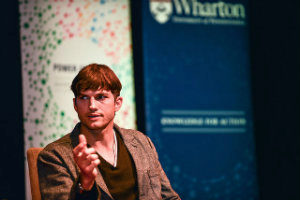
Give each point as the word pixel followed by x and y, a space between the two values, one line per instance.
pixel 197 96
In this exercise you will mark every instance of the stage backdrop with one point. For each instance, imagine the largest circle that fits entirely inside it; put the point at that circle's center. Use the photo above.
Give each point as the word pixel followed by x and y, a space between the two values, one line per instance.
pixel 197 95
pixel 57 39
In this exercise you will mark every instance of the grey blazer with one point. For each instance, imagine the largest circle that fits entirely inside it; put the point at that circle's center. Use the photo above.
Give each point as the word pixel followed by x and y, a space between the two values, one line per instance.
pixel 59 174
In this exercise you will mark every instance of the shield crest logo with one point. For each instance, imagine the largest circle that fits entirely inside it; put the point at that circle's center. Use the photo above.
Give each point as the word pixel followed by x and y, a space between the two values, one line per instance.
pixel 161 10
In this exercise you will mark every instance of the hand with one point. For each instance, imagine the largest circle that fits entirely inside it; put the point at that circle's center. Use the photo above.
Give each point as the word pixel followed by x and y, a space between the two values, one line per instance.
pixel 87 160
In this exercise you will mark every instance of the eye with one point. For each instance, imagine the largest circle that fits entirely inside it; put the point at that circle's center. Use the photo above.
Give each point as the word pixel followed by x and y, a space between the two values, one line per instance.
pixel 83 97
pixel 100 97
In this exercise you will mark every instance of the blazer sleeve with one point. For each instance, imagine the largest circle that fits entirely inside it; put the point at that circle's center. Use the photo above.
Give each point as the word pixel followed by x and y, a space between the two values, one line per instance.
pixel 58 179
pixel 167 192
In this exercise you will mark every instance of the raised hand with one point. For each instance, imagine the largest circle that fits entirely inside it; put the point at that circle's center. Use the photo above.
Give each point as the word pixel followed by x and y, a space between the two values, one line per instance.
pixel 87 160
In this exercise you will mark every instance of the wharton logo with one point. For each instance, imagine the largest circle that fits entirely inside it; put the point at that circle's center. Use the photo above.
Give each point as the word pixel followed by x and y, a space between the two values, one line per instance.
pixel 161 10
pixel 194 11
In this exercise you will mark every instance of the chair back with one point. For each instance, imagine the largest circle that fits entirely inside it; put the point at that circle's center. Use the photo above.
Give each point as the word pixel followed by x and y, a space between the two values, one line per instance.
pixel 32 154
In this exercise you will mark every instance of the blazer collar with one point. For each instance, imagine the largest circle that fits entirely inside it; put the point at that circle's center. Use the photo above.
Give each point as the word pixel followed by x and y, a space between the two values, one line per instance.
pixel 135 151
pixel 128 139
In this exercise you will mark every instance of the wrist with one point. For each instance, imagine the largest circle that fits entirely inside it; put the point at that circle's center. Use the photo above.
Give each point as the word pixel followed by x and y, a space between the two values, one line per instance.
pixel 81 189
pixel 85 184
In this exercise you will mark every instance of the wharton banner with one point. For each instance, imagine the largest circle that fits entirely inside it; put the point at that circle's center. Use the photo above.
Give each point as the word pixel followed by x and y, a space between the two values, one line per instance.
pixel 197 96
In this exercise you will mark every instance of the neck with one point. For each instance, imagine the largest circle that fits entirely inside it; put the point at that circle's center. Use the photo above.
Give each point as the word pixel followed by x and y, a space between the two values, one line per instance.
pixel 99 137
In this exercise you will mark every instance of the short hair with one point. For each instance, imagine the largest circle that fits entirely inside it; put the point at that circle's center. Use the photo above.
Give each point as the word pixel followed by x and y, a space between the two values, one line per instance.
pixel 96 76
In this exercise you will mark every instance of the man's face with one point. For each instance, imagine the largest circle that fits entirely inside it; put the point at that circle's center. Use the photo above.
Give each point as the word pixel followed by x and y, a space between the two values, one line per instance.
pixel 96 108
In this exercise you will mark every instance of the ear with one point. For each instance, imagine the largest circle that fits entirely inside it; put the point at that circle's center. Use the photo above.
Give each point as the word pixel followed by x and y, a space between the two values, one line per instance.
pixel 118 103
pixel 74 104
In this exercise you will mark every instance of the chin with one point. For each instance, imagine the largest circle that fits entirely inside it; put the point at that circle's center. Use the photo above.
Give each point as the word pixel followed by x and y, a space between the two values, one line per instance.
pixel 96 126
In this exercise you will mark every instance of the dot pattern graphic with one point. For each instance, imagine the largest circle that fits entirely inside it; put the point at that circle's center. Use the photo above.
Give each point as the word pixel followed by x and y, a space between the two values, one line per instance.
pixel 46 25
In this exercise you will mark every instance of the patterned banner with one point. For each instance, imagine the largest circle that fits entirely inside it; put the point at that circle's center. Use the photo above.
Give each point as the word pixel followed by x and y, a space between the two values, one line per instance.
pixel 58 38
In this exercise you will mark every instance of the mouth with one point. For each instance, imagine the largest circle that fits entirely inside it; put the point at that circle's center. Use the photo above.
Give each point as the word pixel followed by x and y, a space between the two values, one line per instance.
pixel 94 116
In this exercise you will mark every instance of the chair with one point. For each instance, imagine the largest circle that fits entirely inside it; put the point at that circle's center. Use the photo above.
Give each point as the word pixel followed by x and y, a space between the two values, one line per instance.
pixel 32 154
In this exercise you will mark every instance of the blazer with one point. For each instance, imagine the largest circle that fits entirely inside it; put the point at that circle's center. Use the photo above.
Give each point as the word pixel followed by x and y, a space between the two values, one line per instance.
pixel 59 174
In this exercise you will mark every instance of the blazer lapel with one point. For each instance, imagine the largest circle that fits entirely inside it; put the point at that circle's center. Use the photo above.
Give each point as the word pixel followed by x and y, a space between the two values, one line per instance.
pixel 133 147
pixel 100 182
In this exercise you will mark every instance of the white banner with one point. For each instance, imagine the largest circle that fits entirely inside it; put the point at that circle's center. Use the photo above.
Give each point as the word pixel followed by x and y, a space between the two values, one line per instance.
pixel 58 38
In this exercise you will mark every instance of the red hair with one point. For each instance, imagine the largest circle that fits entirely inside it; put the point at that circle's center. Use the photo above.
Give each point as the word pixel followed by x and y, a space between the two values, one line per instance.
pixel 94 77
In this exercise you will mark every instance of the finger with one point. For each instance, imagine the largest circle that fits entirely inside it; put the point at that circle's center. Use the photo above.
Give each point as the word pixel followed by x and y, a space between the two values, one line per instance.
pixel 88 151
pixel 91 150
pixel 96 162
pixel 79 148
pixel 82 139
pixel 93 157
pixel 89 169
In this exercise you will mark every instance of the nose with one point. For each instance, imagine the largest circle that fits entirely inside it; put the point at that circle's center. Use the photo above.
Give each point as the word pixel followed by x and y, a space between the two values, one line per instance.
pixel 92 104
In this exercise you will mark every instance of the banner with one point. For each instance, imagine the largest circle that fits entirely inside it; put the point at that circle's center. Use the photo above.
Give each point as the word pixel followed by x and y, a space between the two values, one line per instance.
pixel 197 95
pixel 58 38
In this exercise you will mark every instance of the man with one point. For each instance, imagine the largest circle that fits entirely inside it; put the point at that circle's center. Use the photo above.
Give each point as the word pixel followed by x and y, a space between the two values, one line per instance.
pixel 98 159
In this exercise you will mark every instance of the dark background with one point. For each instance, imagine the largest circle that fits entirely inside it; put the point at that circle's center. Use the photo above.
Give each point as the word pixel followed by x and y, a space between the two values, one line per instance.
pixel 275 56
pixel 275 67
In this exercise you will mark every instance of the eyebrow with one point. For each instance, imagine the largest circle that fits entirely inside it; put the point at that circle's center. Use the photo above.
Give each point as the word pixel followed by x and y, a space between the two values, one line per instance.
pixel 97 93
pixel 102 93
